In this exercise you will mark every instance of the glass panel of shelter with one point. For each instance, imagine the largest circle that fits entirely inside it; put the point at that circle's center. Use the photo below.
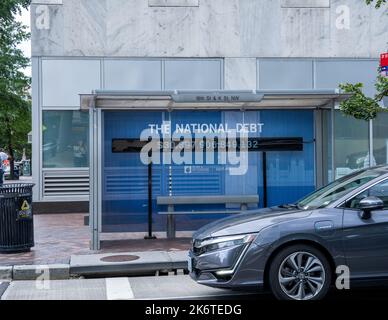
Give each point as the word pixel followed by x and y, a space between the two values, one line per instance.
pixel 290 174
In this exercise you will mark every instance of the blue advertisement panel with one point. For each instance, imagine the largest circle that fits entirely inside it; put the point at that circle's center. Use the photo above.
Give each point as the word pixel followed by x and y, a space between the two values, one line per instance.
pixel 125 177
pixel 290 174
pixel 211 172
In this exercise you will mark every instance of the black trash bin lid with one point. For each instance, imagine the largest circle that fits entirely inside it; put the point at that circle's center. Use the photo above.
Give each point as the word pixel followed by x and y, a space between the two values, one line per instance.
pixel 17 188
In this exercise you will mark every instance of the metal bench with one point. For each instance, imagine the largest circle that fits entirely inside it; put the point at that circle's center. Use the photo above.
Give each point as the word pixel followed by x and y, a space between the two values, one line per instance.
pixel 171 202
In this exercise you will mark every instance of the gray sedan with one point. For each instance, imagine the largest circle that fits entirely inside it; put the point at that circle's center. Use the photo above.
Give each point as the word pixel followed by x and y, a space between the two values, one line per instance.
pixel 296 250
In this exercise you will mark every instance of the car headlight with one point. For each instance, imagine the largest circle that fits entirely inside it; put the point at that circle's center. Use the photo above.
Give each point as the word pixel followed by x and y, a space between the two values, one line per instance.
pixel 213 244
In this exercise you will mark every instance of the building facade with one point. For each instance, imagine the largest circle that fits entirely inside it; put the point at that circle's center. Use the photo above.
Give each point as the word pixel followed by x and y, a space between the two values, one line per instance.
pixel 82 46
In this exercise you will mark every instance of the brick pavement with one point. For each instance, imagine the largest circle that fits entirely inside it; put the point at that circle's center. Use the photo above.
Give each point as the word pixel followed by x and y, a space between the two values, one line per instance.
pixel 59 236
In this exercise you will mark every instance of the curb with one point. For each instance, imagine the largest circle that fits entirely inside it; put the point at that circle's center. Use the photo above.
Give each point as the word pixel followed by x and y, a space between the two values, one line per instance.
pixel 152 263
pixel 3 287
pixel 41 272
pixel 6 273
pixel 149 263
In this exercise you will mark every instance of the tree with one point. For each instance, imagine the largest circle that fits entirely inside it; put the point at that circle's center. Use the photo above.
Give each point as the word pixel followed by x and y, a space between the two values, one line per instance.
pixel 381 87
pixel 8 8
pixel 359 105
pixel 15 101
pixel 377 3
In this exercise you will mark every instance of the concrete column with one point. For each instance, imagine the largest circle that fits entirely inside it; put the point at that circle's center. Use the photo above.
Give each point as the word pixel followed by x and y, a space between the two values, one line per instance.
pixel 240 73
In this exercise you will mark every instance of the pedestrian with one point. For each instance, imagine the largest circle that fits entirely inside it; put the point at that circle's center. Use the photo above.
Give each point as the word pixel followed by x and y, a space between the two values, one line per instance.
pixel 3 157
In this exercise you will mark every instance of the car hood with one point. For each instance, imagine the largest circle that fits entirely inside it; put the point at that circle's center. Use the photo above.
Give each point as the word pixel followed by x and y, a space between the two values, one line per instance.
pixel 250 222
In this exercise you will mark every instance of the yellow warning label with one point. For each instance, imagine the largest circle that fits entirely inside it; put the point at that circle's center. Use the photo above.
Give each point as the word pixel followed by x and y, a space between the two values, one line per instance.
pixel 25 206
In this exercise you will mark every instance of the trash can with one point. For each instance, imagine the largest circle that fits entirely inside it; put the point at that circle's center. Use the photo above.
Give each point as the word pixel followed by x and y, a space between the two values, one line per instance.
pixel 16 218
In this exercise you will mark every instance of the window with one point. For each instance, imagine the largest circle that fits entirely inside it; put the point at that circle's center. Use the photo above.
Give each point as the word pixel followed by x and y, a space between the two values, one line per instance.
pixel 305 4
pixel 133 75
pixel 65 139
pixel 380 138
pixel 193 74
pixel 173 3
pixel 379 190
pixel 351 144
pixel 64 80
pixel 330 73
pixel 285 74
pixel 337 189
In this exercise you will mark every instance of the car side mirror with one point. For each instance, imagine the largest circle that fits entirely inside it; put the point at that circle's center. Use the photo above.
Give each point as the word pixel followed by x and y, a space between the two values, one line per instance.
pixel 369 204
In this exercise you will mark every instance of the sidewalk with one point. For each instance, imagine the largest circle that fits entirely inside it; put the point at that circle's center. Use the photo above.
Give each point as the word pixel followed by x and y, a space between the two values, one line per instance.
pixel 58 237
pixel 22 179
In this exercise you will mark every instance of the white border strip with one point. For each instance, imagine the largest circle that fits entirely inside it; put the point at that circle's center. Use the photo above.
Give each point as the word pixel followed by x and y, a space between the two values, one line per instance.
pixel 118 289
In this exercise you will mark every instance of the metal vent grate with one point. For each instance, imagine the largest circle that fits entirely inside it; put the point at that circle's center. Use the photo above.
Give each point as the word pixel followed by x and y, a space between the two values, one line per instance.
pixel 130 183
pixel 65 184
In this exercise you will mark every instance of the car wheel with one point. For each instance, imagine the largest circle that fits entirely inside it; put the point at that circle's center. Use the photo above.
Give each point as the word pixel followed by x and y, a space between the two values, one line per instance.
pixel 300 272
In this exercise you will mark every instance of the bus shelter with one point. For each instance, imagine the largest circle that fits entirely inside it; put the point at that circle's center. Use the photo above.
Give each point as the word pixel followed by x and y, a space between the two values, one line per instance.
pixel 288 135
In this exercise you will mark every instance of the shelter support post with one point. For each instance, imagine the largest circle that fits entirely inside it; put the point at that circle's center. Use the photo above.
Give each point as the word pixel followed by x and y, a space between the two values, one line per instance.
pixel 94 179
pixel 171 227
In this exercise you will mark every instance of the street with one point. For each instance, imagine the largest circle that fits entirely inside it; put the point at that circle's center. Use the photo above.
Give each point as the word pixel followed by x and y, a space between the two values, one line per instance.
pixel 179 287
pixel 141 288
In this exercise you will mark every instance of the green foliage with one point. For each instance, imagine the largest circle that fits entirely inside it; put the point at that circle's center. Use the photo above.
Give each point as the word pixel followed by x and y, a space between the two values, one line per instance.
pixel 358 105
pixel 9 8
pixel 381 87
pixel 377 3
pixel 15 104
pixel 20 126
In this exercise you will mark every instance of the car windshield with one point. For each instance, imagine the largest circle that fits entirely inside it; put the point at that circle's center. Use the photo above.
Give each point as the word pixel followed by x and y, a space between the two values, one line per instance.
pixel 337 189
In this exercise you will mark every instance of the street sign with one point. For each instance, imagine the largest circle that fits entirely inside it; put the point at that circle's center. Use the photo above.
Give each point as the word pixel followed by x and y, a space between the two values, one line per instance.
pixel 384 71
pixel 384 60
pixel 217 97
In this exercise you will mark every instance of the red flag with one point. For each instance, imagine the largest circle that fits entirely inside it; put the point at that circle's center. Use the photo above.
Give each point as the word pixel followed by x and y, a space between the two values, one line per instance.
pixel 384 60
